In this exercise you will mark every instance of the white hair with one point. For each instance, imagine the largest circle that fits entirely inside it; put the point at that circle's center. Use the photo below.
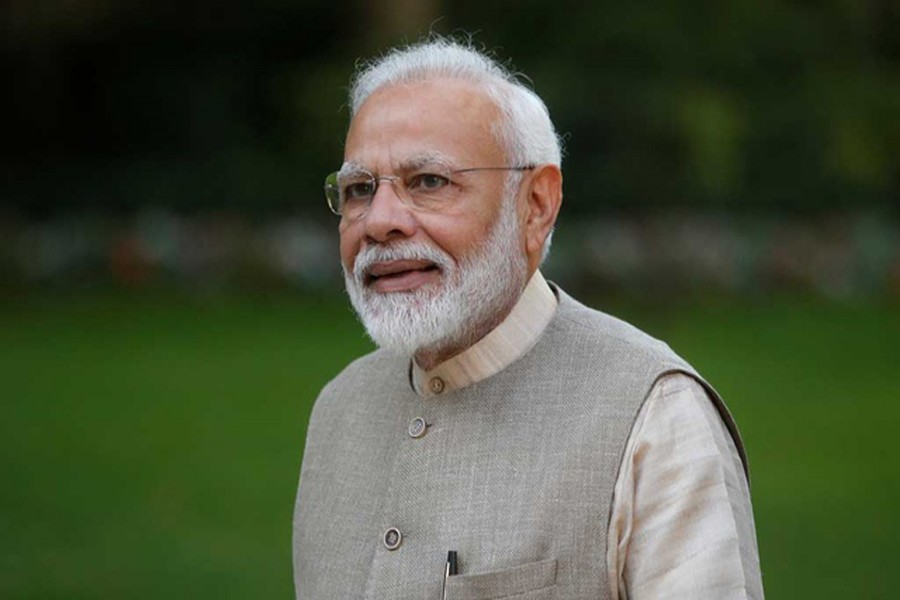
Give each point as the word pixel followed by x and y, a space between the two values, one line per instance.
pixel 525 129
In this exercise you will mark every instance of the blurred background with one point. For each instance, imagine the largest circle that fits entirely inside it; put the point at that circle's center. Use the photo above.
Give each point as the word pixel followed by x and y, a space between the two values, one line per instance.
pixel 170 293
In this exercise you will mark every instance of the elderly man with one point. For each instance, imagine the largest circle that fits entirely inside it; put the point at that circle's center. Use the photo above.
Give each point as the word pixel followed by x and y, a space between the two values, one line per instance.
pixel 505 441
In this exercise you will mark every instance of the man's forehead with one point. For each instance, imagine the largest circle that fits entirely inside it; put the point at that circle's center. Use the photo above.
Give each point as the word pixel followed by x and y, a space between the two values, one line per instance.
pixel 433 101
pixel 404 124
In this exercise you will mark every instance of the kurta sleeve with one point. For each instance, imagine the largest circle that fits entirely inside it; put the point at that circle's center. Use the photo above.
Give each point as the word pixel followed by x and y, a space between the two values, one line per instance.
pixel 681 522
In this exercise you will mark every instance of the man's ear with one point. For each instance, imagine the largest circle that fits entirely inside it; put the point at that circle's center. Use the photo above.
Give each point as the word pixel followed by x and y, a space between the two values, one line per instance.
pixel 542 205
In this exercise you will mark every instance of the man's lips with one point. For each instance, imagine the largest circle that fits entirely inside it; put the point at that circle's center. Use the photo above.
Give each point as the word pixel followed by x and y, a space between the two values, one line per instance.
pixel 400 275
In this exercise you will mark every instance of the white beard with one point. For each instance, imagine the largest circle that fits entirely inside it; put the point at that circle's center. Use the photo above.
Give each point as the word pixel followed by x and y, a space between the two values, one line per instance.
pixel 454 312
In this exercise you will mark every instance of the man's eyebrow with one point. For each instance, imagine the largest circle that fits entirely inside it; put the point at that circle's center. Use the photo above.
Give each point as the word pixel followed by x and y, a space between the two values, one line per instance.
pixel 414 163
pixel 350 168
pixel 426 159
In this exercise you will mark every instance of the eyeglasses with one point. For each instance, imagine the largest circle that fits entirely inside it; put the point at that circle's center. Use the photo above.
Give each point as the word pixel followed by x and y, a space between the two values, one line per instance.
pixel 430 189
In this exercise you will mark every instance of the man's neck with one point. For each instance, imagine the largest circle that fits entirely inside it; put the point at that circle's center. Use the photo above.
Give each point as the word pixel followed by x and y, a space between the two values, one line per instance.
pixel 492 351
pixel 428 358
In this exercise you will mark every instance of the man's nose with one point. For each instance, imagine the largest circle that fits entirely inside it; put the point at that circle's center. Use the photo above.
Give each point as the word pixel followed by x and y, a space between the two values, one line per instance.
pixel 388 216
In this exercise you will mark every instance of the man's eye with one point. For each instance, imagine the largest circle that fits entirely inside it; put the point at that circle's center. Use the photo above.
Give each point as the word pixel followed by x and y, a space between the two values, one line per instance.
pixel 428 182
pixel 362 189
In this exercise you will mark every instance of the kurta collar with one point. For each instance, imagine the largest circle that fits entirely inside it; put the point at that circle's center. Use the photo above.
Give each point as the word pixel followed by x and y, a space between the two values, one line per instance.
pixel 511 339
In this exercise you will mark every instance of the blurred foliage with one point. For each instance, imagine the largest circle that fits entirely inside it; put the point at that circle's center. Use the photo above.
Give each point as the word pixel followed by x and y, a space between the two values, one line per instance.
pixel 197 104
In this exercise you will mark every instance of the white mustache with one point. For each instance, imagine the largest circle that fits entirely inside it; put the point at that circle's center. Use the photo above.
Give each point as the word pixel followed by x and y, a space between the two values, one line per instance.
pixel 370 255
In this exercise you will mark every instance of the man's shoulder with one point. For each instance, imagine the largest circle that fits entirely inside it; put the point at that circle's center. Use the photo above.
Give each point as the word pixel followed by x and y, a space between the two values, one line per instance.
pixel 365 392
pixel 368 370
pixel 591 328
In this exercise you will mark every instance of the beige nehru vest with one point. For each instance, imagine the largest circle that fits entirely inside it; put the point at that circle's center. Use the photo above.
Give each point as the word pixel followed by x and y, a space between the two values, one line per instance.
pixel 515 472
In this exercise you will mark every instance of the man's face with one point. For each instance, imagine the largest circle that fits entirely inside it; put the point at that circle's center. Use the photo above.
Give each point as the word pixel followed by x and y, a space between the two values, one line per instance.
pixel 437 251
pixel 401 124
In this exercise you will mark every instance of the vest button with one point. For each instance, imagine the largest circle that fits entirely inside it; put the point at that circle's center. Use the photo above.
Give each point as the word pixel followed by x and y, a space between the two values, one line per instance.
pixel 417 427
pixel 437 385
pixel 392 538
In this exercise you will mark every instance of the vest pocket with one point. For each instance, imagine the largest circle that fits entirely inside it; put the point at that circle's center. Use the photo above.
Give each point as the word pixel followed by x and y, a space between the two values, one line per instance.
pixel 532 581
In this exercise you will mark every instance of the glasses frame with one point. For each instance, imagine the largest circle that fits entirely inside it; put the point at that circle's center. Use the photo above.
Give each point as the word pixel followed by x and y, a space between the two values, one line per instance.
pixel 332 187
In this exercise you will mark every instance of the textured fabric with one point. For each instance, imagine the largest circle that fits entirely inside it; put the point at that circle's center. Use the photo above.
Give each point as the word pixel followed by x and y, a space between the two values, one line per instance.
pixel 682 524
pixel 512 338
pixel 515 472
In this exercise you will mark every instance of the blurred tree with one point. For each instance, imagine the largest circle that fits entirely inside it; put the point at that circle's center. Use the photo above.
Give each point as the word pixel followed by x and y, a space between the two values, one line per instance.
pixel 202 104
pixel 391 20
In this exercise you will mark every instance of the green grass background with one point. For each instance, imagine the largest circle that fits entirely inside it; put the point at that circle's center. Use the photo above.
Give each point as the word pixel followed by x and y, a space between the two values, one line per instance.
pixel 150 445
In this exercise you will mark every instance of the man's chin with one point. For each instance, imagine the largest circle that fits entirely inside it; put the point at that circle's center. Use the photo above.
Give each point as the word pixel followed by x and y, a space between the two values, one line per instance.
pixel 407 321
